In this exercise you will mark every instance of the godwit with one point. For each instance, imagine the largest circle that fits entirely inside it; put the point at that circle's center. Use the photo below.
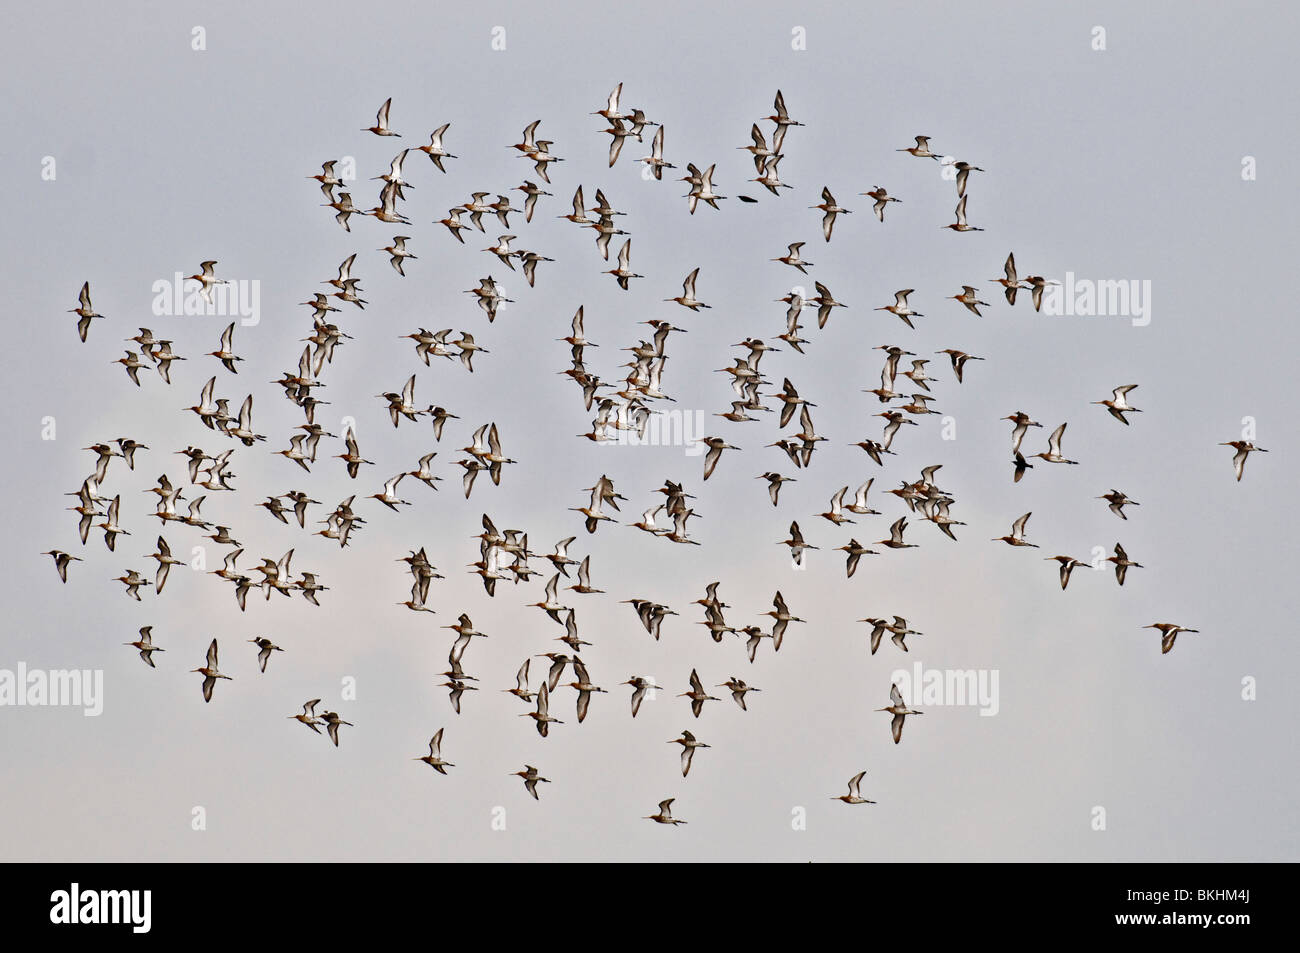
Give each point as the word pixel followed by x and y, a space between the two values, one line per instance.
pixel 754 636
pixel 639 688
pixel 308 716
pixel 716 445
pixel 345 209
pixel 1053 454
pixel 624 271
pixel 559 661
pixel 964 169
pixel 921 149
pixel 534 192
pixel 531 260
pixel 900 307
pixel 824 301
pixel 689 744
pixel 332 722
pixel 1122 563
pixel 583 586
pixel 781 118
pixel 894 420
pixel 224 353
pixel 397 254
pixel 308 586
pixel 655 160
pixel 697 695
pixel 521 684
pixel 584 687
pixel 1118 501
pixel 970 299
pixel 1243 448
pixel 110 526
pixel 702 191
pixel 687 298
pixel 1168 634
pixel 327 178
pixel 828 206
pixel 453 224
pixel 855 795
pixel 895 540
pixel 836 513
pixel 774 481
pixel 61 560
pixel 899 710
pixel 961 225
pixel 1010 283
pixel 881 199
pixel 791 258
pixel 502 250
pixel 759 150
pixel 434 149
pixel 791 400
pixel 610 111
pixel 665 815
pixel 165 561
pixel 855 551
pixel 542 715
pixel 353 456
pixel 541 157
pixel 380 128
pixel 918 375
pixel 264 649
pixel 1017 537
pixel 132 363
pixel 434 758
pixel 738 690
pixel 1023 423
pixel 579 214
pixel 874 449
pixel 797 545
pixel 878 628
pixel 1118 405
pixel 1038 283
pixel 1067 564
pixel 464 629
pixel 900 632
pixel 939 516
pixel 393 177
pixel 959 359
pixel 386 211
pixel 210 672
pixel 145 645
pixel 85 312
pixel 531 777
pixel 782 616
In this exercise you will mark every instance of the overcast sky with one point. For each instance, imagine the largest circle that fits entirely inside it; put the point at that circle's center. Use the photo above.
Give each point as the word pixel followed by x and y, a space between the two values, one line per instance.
pixel 1116 164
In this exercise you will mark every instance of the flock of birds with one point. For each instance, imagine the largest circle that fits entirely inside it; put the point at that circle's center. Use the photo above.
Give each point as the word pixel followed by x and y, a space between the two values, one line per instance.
pixel 625 405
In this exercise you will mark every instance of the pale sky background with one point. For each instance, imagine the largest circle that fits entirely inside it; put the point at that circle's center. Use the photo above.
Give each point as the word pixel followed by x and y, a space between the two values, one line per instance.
pixel 1122 164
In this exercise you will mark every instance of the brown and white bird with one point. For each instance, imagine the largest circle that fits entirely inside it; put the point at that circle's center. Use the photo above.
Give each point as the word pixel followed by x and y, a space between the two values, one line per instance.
pixel 1168 634
pixel 898 708
pixel 145 645
pixel 689 744
pixel 210 672
pixel 531 778
pixel 1243 448
pixel 855 793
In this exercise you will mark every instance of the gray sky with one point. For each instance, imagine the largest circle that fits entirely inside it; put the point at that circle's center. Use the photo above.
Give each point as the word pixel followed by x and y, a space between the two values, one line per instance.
pixel 1115 164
